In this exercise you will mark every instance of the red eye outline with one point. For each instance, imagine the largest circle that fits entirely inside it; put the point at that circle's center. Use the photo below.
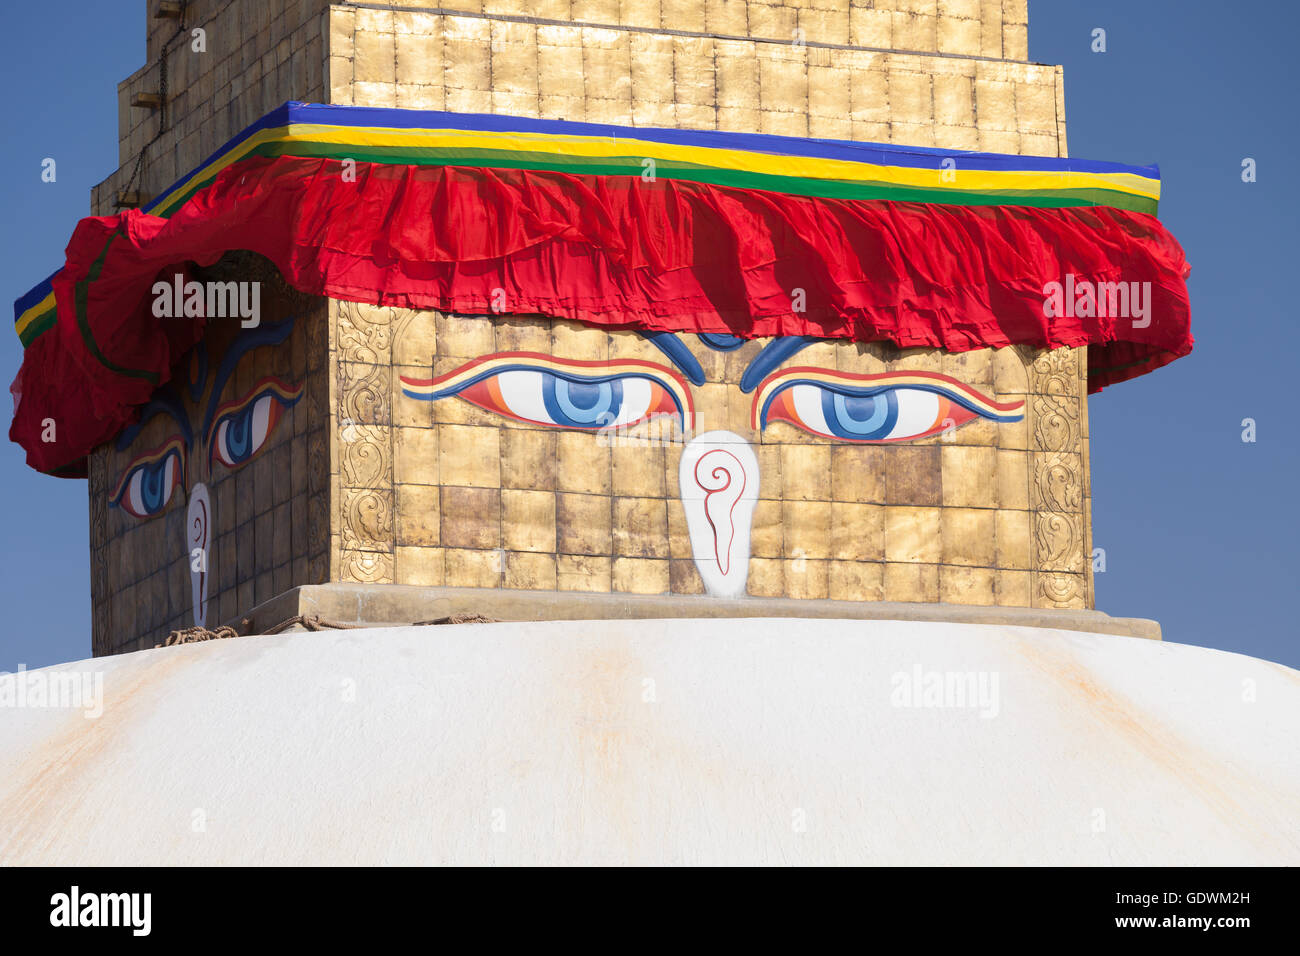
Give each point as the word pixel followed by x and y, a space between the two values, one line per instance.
pixel 957 403
pixel 285 396
pixel 120 498
pixel 477 382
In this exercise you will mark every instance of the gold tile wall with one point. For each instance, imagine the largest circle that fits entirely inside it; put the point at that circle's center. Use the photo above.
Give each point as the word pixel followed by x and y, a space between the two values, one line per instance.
pixel 452 494
pixel 842 81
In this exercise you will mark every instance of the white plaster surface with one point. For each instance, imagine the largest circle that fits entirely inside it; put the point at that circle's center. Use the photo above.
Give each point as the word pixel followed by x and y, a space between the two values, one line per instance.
pixel 757 741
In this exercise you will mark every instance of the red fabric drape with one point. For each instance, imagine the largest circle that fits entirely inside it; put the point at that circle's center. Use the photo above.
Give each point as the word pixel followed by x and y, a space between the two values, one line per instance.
pixel 611 251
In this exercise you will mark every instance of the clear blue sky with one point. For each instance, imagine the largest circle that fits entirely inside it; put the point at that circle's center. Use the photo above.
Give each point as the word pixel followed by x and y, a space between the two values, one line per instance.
pixel 1199 528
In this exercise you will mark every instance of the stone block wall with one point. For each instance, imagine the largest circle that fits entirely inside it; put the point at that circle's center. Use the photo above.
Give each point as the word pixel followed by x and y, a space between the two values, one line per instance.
pixel 449 493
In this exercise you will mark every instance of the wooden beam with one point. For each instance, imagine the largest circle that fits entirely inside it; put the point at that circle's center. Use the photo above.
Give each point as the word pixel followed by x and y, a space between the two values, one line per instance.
pixel 169 10
pixel 150 101
pixel 131 199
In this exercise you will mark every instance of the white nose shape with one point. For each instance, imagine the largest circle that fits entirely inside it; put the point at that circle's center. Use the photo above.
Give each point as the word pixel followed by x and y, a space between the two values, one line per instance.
pixel 718 476
pixel 198 547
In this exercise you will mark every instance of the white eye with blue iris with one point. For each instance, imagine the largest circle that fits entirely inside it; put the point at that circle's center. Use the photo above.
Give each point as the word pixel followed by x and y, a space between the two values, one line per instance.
pixel 241 429
pixel 867 408
pixel 147 484
pixel 546 398
pixel 561 393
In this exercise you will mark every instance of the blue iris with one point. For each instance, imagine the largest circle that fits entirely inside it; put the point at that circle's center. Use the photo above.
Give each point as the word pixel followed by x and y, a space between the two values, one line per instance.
pixel 581 404
pixel 153 486
pixel 239 435
pixel 861 417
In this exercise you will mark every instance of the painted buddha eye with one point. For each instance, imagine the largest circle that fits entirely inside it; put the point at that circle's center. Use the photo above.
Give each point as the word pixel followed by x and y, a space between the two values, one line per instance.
pixel 563 393
pixel 147 483
pixel 891 407
pixel 240 428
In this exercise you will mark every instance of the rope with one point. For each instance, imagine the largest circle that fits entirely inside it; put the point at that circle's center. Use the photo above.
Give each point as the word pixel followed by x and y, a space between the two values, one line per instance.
pixel 310 622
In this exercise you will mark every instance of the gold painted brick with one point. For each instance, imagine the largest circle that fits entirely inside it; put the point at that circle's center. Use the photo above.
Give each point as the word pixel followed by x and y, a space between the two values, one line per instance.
pixel 870 27
pixel 912 134
pixel 415 453
pixel 684 577
pixel 640 576
pixel 912 583
pixel 419 59
pixel 612 112
pixel 528 571
pixel 407 411
pixel 807 529
pixel 516 104
pixel 582 573
pixel 471 518
pixel 418 515
pixel 577 341
pixel 515 66
pixel 1010 372
pixel 996 104
pixel 712 402
pixel 726 17
pixel 806 472
pixel 737 75
pixel 915 32
pixel 734 120
pixel 372 20
pixel 969 476
pixel 690 116
pixel 1015 41
pixel 1013 540
pixel 583 524
pixel 465 337
pixel 342 25
pixel 958 35
pixel 767 532
pixel 971 368
pixel 953 100
pixel 653 114
pixel 956 137
pixel 468 101
pixel 638 471
pixel 807 579
pixel 1013 479
pixel 374 94
pixel 679 538
pixel 1036 108
pixel 913 474
pixel 473 569
pixel 1039 144
pixel 582 464
pixel 1014 435
pixel 640 528
pixel 856 581
pixel 470 455
pixel 766 577
pixel 596 11
pixel 783 84
pixel 1013 588
pixel 683 15
pixel 560 71
pixel 420 566
pixel 522 335
pixel 967 585
pixel 912 535
pixel 415 337
pixel 968 9
pixel 528 520
pixel 770 21
pixel 857 532
pixel 967 535
pixel 825 25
